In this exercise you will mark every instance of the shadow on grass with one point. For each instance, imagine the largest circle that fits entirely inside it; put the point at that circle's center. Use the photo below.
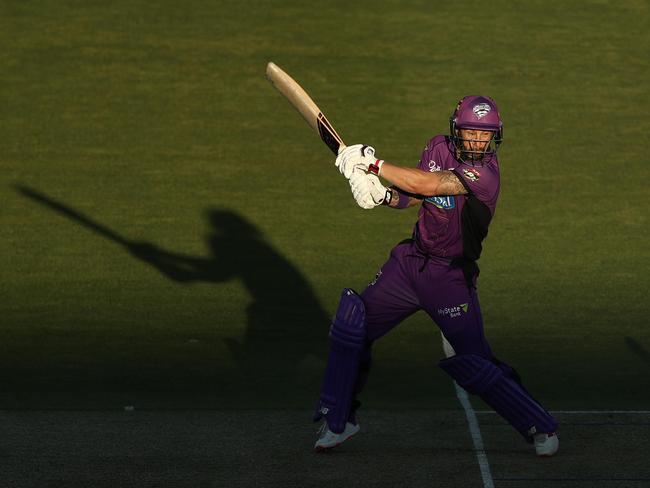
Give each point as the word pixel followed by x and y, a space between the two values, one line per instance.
pixel 286 326
pixel 638 349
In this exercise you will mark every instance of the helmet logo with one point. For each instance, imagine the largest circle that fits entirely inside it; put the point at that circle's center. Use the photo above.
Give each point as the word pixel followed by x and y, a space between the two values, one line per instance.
pixel 481 110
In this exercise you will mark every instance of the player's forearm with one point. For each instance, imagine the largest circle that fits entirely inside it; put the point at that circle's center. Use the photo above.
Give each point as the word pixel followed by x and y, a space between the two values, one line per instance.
pixel 412 180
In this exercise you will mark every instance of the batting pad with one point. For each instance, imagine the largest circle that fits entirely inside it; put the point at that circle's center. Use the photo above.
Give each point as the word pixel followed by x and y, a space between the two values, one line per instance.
pixel 347 339
pixel 505 395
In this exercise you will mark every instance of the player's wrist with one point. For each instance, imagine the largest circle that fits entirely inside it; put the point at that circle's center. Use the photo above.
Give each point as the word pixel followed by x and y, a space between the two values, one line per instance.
pixel 395 199
pixel 388 197
pixel 375 168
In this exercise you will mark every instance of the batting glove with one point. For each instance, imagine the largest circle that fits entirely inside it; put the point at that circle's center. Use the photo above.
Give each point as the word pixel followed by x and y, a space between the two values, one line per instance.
pixel 358 156
pixel 361 190
pixel 377 190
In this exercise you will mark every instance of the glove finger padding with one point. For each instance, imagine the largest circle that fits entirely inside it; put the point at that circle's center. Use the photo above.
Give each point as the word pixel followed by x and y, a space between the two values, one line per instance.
pixel 361 190
pixel 344 156
pixel 358 156
pixel 376 189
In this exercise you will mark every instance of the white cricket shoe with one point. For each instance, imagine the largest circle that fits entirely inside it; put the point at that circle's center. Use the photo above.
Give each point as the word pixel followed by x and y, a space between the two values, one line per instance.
pixel 546 444
pixel 329 440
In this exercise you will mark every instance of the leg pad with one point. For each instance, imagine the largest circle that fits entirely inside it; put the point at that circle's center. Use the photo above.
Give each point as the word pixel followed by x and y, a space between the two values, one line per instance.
pixel 347 341
pixel 502 391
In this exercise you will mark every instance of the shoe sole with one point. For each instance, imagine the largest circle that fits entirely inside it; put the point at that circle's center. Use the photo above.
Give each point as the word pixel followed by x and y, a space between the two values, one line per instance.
pixel 547 455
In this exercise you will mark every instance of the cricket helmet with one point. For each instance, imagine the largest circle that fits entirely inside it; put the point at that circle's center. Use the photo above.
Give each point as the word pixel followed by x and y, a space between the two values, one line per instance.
pixel 479 113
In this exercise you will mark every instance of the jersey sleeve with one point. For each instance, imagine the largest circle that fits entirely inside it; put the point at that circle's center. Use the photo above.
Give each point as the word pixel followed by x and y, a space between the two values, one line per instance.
pixel 480 181
pixel 424 158
pixel 431 158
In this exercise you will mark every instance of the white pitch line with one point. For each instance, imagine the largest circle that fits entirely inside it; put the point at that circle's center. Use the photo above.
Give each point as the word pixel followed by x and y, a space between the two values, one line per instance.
pixel 474 428
pixel 582 412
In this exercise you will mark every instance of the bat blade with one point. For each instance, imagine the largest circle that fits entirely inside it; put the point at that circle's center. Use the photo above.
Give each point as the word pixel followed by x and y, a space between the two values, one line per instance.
pixel 304 104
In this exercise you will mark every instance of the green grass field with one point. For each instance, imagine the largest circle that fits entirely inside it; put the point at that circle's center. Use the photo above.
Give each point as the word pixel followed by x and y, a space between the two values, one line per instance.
pixel 152 123
pixel 175 238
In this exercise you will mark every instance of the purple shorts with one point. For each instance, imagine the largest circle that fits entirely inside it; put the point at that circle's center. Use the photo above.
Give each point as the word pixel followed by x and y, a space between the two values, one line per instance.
pixel 408 282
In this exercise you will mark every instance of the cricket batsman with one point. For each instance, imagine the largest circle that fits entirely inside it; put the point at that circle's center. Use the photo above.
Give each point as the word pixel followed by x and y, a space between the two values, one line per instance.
pixel 456 184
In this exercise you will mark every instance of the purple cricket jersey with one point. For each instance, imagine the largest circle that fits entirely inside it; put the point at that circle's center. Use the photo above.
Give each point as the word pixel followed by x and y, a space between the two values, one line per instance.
pixel 454 226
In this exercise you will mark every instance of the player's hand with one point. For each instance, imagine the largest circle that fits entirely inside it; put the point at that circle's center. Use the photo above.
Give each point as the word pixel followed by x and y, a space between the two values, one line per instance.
pixel 358 156
pixel 361 190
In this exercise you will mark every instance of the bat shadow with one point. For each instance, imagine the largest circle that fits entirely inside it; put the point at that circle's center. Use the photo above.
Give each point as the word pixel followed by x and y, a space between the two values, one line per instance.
pixel 286 325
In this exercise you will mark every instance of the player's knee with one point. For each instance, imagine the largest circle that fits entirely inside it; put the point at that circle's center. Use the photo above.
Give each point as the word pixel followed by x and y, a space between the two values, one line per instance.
pixel 474 373
pixel 349 325
pixel 508 370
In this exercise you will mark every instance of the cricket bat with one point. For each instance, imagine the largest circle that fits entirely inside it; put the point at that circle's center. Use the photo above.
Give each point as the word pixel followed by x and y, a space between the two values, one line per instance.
pixel 304 104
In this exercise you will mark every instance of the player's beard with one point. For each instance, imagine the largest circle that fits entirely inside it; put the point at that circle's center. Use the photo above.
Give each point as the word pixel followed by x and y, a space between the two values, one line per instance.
pixel 472 156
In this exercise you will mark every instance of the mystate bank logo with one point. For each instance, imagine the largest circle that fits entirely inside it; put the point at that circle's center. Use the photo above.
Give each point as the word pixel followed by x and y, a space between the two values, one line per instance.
pixel 453 312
